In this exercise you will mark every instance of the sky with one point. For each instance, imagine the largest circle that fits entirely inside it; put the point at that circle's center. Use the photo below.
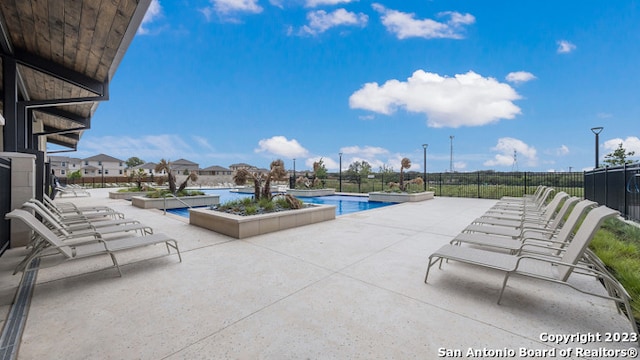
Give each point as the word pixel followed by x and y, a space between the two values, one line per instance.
pixel 488 85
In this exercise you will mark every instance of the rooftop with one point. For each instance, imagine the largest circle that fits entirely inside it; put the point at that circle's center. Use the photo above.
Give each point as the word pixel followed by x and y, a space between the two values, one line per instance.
pixel 348 288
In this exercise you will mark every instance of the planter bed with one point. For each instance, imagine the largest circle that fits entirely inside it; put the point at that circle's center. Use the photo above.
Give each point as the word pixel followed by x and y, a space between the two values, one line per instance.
pixel 241 227
pixel 311 192
pixel 400 197
pixel 172 203
pixel 125 195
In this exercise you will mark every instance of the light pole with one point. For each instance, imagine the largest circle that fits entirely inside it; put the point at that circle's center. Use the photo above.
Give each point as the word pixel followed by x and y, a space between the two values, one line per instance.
pixel 451 154
pixel 340 154
pixel 102 172
pixel 424 147
pixel 597 131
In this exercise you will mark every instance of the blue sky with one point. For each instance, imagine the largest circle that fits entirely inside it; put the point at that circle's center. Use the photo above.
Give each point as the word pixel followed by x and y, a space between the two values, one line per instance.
pixel 219 82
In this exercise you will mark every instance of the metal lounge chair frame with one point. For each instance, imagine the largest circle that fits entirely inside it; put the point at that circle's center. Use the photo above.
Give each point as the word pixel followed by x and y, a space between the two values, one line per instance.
pixel 86 248
pixel 565 264
pixel 538 236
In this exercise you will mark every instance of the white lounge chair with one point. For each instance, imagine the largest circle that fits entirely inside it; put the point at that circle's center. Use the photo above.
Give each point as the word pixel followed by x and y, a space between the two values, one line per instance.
pixel 544 267
pixel 545 216
pixel 518 232
pixel 554 236
pixel 52 244
pixel 86 229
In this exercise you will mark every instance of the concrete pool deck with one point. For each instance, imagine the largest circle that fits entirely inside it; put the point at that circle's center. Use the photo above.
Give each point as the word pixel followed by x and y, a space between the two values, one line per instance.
pixel 351 288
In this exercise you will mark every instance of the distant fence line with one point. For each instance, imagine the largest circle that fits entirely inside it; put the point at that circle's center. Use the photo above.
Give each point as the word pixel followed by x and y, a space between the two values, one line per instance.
pixel 479 184
pixel 616 187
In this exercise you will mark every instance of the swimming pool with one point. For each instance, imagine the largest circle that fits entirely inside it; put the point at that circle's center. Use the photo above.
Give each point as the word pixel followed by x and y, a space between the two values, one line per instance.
pixel 344 204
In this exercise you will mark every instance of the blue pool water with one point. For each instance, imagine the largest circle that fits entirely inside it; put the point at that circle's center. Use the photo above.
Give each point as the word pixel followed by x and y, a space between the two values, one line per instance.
pixel 344 204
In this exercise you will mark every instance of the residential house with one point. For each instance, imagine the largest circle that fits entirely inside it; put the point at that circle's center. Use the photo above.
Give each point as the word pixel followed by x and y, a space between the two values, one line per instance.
pixel 149 168
pixel 102 165
pixel 181 166
pixel 236 167
pixel 215 170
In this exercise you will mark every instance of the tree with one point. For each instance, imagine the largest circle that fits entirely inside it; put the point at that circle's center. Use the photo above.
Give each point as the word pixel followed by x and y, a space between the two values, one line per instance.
pixel 262 181
pixel 166 166
pixel 405 163
pixel 133 162
pixel 74 175
pixel 357 170
pixel 138 177
pixel 619 157
pixel 319 170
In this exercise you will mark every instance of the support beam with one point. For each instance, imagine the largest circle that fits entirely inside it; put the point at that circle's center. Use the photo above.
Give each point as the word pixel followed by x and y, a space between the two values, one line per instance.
pixel 83 121
pixel 10 104
pixel 58 71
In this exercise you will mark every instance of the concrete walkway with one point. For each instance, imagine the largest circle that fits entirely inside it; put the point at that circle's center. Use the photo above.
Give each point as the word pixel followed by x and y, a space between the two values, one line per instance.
pixel 351 288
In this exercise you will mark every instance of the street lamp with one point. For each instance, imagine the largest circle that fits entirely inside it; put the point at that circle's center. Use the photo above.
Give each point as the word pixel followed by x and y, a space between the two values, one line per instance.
pixel 597 131
pixel 340 154
pixel 424 147
pixel 451 154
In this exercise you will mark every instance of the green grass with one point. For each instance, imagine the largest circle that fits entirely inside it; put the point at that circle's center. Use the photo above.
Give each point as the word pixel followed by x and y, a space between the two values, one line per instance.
pixel 617 244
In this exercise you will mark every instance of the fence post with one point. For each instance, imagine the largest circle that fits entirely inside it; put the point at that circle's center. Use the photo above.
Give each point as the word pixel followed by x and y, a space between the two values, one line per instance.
pixel 606 186
pixel 626 210
pixel 478 178
pixel 525 183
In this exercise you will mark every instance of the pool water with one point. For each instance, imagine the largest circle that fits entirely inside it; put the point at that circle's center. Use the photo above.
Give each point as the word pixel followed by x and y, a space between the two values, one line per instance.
pixel 344 204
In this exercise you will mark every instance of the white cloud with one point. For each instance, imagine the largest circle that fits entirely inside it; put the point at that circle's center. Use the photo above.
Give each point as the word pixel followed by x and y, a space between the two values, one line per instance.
pixel 519 77
pixel 562 150
pixel 506 148
pixel 153 13
pixel 367 151
pixel 602 115
pixel 565 47
pixel 631 143
pixel 315 3
pixel 281 146
pixel 463 100
pixel 276 3
pixel 404 25
pixel 321 21
pixel 227 8
pixel 203 142
pixel 329 163
pixel 459 165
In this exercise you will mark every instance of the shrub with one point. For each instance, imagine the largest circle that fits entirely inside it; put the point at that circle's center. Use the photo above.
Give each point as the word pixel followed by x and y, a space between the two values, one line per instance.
pixel 617 244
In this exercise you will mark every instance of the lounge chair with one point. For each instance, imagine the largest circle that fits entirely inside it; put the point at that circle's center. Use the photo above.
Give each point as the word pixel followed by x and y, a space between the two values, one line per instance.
pixel 519 220
pixel 525 197
pixel 78 213
pixel 544 267
pixel 52 244
pixel 66 207
pixel 531 205
pixel 87 228
pixel 72 190
pixel 80 223
pixel 532 238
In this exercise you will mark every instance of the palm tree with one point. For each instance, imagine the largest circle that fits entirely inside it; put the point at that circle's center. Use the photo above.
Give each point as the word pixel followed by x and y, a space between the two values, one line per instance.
pixel 166 166
pixel 405 163
pixel 261 181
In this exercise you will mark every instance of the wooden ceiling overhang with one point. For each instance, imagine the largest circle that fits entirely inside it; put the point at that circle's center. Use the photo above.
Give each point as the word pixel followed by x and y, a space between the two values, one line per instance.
pixel 58 57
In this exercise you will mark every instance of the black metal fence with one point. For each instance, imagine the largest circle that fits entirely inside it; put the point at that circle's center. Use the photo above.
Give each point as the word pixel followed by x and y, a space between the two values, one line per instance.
pixel 616 187
pixel 479 184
